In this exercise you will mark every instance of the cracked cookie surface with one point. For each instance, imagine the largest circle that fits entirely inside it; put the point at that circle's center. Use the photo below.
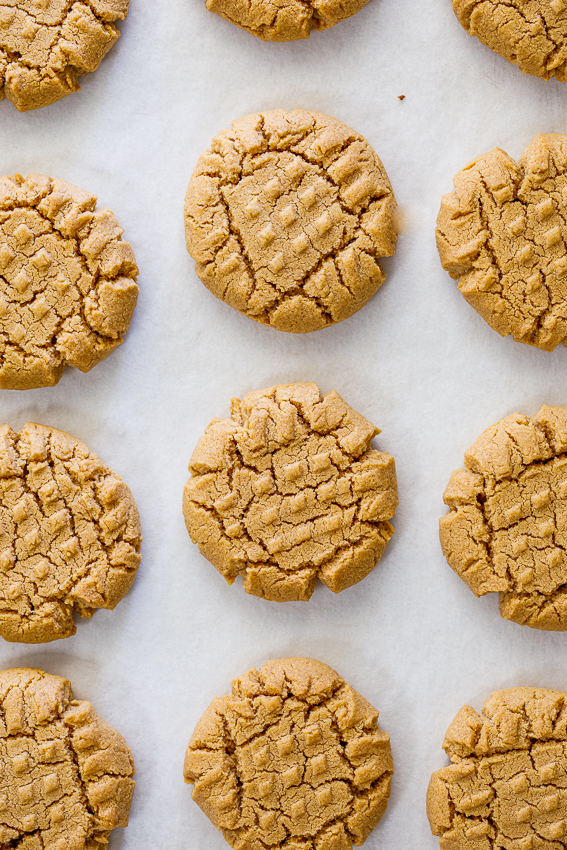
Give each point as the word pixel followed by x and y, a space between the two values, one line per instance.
pixel 289 490
pixel 284 20
pixel 46 44
pixel 66 774
pixel 67 281
pixel 506 530
pixel 286 217
pixel 503 234
pixel 507 786
pixel 294 758
pixel 531 34
pixel 69 534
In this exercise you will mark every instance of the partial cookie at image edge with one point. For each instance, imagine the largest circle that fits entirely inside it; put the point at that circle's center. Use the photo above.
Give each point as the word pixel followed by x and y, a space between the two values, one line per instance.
pixel 533 37
pixel 43 54
pixel 284 20
pixel 506 528
pixel 67 281
pixel 66 773
pixel 70 534
pixel 505 786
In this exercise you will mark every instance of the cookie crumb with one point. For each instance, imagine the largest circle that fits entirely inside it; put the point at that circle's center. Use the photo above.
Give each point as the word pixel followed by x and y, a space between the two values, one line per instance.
pixel 401 97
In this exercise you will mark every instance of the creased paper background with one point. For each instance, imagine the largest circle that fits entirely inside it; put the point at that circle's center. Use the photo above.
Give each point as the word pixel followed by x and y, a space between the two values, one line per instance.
pixel 417 361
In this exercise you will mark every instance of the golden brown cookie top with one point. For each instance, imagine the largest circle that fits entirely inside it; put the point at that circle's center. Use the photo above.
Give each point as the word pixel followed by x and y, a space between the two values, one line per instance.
pixel 530 33
pixel 289 490
pixel 503 233
pixel 284 20
pixel 69 534
pixel 506 527
pixel 286 216
pixel 66 775
pixel 294 757
pixel 506 786
pixel 46 44
pixel 67 281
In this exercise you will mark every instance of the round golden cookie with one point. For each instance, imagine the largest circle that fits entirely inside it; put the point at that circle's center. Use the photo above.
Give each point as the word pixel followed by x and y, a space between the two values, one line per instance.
pixel 69 534
pixel 46 44
pixel 66 773
pixel 286 216
pixel 531 34
pixel 284 20
pixel 506 786
pixel 67 281
pixel 289 490
pixel 503 233
pixel 294 758
pixel 506 530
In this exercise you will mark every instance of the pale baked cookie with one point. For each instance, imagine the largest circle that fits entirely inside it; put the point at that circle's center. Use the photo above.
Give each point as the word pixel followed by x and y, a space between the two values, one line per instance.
pixel 284 20
pixel 506 787
pixel 531 34
pixel 503 232
pixel 67 281
pixel 46 44
pixel 69 534
pixel 293 759
pixel 506 530
pixel 66 774
pixel 286 216
pixel 289 490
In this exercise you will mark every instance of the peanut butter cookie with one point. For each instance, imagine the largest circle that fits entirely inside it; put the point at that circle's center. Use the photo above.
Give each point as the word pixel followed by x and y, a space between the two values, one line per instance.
pixel 69 534
pixel 67 281
pixel 294 758
pixel 506 530
pixel 286 217
pixel 531 34
pixel 46 44
pixel 503 232
pixel 284 20
pixel 506 787
pixel 289 490
pixel 66 775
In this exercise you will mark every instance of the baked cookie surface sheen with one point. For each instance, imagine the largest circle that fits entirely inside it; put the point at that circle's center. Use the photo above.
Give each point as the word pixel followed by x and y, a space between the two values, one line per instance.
pixel 507 786
pixel 506 530
pixel 531 34
pixel 69 534
pixel 287 216
pixel 503 234
pixel 289 490
pixel 294 758
pixel 67 281
pixel 46 44
pixel 65 773
pixel 284 20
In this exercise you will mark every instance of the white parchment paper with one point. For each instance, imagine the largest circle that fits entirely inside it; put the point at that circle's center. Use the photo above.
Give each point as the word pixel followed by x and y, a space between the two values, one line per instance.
pixel 417 361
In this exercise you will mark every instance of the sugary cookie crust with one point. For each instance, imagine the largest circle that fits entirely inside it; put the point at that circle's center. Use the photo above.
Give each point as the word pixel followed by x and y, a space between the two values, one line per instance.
pixel 69 534
pixel 46 44
pixel 65 773
pixel 284 20
pixel 507 785
pixel 293 759
pixel 287 216
pixel 289 490
pixel 506 530
pixel 67 281
pixel 531 34
pixel 503 233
